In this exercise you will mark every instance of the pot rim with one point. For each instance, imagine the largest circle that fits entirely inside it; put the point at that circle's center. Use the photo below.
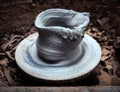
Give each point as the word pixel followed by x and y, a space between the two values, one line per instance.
pixel 39 19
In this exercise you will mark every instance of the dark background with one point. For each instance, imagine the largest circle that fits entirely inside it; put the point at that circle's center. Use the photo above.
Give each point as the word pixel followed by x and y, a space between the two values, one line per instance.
pixel 19 13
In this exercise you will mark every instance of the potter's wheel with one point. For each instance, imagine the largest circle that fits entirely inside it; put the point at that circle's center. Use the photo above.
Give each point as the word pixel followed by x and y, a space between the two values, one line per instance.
pixel 29 62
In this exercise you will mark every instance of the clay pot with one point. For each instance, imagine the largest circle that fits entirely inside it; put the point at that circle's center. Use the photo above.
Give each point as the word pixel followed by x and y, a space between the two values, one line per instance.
pixel 60 32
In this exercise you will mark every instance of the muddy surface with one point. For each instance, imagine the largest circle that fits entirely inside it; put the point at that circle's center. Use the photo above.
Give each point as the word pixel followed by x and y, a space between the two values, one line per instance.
pixel 17 22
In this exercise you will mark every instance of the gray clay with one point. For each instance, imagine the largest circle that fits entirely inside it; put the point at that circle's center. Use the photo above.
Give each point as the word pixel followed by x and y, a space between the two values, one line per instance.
pixel 60 33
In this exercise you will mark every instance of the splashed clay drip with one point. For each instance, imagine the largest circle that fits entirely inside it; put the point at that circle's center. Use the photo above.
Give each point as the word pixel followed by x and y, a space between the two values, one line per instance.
pixel 60 32
pixel 61 50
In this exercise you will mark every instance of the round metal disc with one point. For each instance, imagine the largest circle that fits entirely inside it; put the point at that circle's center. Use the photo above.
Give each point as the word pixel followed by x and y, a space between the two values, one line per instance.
pixel 28 60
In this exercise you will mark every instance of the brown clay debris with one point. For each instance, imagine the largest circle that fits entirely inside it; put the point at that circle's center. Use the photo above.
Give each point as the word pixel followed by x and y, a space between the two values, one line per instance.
pixel 4 62
pixel 8 53
pixel 4 46
pixel 2 54
pixel 109 69
pixel 104 58
pixel 13 39
pixel 14 48
pixel 105 52
pixel 8 76
pixel 94 29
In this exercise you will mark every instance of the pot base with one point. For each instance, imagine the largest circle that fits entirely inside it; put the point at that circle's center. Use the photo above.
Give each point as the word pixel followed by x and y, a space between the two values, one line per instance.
pixel 87 58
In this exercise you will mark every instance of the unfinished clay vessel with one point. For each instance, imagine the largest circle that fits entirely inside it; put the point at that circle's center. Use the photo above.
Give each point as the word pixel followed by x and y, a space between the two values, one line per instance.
pixel 61 51
pixel 60 33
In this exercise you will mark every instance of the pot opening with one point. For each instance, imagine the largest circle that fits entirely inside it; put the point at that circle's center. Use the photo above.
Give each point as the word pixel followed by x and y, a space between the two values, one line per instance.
pixel 60 22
